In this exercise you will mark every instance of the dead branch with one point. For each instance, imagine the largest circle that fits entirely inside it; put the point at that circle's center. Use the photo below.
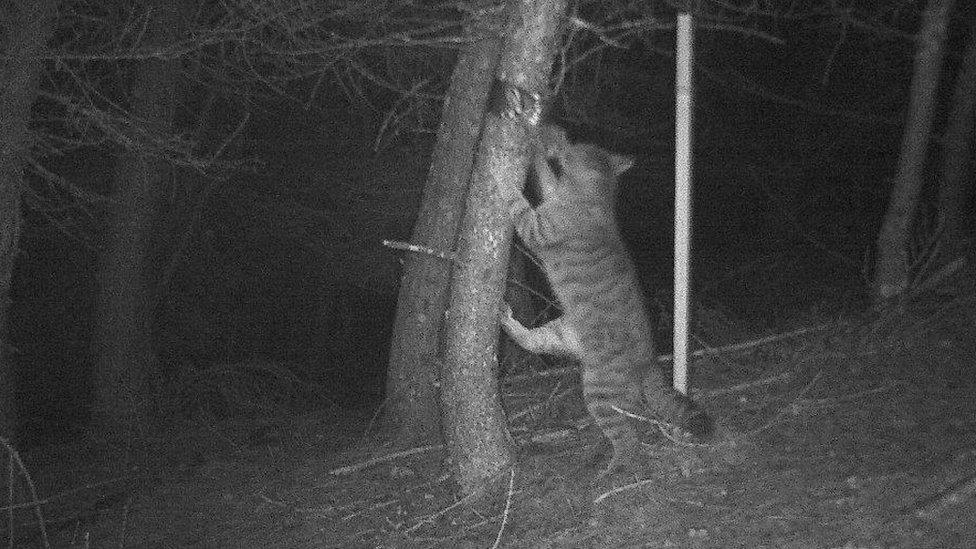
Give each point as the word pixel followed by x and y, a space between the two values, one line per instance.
pixel 417 248
pixel 508 506
pixel 554 396
pixel 15 467
pixel 960 492
pixel 382 459
pixel 785 376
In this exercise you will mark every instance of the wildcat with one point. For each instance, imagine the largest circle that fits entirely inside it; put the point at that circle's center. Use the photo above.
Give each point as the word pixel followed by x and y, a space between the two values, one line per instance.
pixel 574 235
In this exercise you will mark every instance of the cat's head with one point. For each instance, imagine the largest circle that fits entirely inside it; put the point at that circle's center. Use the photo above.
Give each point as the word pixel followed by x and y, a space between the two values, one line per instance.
pixel 583 171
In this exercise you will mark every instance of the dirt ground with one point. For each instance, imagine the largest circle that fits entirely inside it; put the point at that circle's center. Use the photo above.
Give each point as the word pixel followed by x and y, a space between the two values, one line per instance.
pixel 834 433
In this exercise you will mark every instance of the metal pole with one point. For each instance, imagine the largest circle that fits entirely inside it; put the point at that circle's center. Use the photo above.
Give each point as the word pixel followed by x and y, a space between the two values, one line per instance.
pixel 682 199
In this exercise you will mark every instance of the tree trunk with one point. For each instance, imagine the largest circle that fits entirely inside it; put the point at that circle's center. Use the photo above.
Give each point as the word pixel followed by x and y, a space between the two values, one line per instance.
pixel 474 426
pixel 955 193
pixel 412 406
pixel 32 23
pixel 891 267
pixel 125 365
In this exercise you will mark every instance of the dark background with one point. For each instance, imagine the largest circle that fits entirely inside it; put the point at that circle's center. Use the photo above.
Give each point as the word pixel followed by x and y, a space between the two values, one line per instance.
pixel 795 147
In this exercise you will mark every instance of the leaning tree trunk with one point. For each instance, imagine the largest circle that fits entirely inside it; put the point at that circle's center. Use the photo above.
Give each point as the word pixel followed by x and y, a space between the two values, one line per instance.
pixel 30 24
pixel 125 365
pixel 891 267
pixel 474 425
pixel 412 406
pixel 955 193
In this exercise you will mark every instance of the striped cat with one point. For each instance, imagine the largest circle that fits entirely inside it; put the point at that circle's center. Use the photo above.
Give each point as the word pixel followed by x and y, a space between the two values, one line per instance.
pixel 604 324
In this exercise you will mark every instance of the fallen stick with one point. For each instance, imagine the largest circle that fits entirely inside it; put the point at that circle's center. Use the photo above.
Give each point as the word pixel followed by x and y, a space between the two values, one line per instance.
pixel 958 493
pixel 345 470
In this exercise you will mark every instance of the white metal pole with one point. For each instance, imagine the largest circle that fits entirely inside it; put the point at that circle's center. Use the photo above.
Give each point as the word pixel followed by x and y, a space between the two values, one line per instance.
pixel 682 199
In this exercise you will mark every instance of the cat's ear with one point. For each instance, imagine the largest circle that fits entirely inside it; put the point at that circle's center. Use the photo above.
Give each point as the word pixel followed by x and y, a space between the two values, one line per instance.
pixel 619 163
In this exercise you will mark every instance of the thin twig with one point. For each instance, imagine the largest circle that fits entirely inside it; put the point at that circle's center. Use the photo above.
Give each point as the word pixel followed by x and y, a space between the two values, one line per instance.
pixel 508 505
pixel 793 406
pixel 624 488
pixel 416 248
pixel 821 402
pixel 125 522
pixel 554 396
pixel 959 492
pixel 389 457
pixel 429 519
pixel 14 458
pixel 666 428
pixel 785 376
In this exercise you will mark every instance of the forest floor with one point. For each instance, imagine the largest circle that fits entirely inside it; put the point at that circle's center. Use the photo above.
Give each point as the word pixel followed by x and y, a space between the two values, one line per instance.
pixel 840 433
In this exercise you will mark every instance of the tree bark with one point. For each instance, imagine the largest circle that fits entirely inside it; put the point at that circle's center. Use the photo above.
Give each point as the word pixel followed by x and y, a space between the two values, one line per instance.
pixel 125 365
pixel 955 193
pixel 30 24
pixel 891 267
pixel 412 406
pixel 474 425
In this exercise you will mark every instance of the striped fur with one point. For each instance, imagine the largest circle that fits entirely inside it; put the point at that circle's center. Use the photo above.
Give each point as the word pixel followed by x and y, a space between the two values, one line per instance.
pixel 604 324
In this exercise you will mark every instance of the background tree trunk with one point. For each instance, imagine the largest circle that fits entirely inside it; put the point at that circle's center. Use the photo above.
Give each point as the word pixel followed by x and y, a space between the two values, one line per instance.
pixel 474 424
pixel 955 193
pixel 125 365
pixel 412 405
pixel 28 25
pixel 891 267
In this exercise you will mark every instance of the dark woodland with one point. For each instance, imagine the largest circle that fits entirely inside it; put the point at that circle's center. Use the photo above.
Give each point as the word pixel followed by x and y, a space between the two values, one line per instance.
pixel 253 254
